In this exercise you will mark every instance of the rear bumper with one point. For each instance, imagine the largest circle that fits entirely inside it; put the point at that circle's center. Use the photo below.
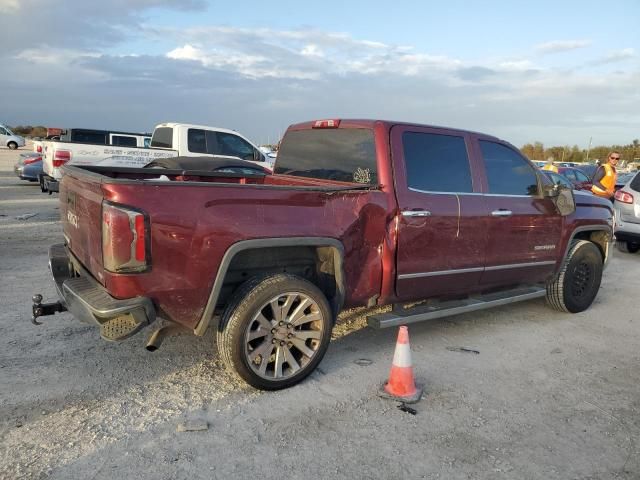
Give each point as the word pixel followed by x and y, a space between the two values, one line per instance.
pixel 625 230
pixel 89 301
pixel 50 184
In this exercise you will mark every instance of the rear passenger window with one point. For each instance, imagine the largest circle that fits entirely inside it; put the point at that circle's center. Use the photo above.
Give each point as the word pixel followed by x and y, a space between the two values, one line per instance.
pixel 87 136
pixel 508 172
pixel 635 183
pixel 162 137
pixel 123 141
pixel 570 175
pixel 196 141
pixel 436 163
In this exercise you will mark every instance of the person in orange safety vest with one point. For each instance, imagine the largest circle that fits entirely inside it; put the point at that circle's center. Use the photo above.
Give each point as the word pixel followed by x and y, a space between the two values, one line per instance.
pixel 604 180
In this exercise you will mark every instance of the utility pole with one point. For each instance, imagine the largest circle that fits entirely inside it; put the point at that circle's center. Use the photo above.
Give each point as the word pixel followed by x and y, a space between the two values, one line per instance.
pixel 589 149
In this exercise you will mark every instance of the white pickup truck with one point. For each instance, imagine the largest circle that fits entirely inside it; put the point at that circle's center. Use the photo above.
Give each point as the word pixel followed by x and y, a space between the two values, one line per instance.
pixel 168 140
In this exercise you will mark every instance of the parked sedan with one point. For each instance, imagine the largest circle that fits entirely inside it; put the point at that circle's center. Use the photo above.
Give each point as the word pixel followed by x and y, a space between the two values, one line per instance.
pixel 627 215
pixel 622 179
pixel 29 166
pixel 559 179
pixel 577 177
pixel 589 169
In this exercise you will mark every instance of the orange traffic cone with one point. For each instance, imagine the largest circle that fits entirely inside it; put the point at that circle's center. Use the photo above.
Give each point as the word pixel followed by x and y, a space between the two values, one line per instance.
pixel 401 385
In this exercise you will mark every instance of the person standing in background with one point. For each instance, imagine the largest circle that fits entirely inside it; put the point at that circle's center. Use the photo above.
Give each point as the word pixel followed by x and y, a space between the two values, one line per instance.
pixel 604 180
pixel 550 166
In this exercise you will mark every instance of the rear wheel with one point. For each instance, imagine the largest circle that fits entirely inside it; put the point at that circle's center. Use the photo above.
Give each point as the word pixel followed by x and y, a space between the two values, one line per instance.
pixel 627 247
pixel 578 282
pixel 275 331
pixel 12 145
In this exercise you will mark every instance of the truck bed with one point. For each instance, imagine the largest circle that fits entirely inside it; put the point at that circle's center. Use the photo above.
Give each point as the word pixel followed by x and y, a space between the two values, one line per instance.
pixel 195 217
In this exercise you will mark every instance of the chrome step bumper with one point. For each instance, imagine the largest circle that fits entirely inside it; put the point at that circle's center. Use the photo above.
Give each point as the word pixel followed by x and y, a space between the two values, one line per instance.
pixel 90 302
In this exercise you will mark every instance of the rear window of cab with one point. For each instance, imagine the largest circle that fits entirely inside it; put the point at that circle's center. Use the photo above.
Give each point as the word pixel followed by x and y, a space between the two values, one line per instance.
pixel 343 154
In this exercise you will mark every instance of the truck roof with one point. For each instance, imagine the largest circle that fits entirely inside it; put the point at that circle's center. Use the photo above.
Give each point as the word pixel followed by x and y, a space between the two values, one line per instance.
pixel 99 130
pixel 370 123
pixel 202 127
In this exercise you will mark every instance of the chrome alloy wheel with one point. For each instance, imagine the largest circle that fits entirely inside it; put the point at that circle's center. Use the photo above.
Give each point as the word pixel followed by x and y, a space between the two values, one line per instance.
pixel 284 335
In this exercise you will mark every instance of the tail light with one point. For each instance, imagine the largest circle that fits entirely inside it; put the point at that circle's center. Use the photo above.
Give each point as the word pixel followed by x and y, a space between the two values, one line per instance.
pixel 31 160
pixel 39 149
pixel 60 157
pixel 624 197
pixel 125 239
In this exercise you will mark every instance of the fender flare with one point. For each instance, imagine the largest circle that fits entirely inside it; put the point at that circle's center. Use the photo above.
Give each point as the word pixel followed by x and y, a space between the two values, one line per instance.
pixel 590 228
pixel 233 250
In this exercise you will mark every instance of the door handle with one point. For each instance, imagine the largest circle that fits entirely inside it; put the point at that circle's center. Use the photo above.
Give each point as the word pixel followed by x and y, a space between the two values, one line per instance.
pixel 501 213
pixel 416 213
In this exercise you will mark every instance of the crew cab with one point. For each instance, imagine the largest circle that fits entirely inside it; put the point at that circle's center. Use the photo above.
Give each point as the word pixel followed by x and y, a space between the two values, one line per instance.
pixel 433 221
pixel 121 149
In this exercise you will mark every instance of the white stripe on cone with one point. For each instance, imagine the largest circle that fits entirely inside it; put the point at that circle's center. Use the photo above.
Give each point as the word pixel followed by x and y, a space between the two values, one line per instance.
pixel 402 355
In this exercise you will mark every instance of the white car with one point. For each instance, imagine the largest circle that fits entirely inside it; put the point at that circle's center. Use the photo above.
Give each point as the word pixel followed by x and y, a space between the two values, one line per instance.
pixel 10 139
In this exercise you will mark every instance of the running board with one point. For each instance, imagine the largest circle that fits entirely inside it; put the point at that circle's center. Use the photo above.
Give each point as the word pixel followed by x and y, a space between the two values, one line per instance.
pixel 404 316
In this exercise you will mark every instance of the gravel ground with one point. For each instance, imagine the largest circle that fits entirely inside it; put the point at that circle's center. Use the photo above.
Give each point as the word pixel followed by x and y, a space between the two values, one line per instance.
pixel 549 396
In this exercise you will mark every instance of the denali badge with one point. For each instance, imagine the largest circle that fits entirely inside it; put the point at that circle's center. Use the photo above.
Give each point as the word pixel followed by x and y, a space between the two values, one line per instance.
pixel 72 218
pixel 544 247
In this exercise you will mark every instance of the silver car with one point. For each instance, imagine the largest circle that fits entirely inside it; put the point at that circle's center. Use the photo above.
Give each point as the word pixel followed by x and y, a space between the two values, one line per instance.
pixel 9 139
pixel 627 215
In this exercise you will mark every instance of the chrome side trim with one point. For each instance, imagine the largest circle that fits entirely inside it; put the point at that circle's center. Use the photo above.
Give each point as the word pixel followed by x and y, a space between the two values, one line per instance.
pixel 509 196
pixel 444 193
pixel 519 265
pixel 473 194
pixel 407 276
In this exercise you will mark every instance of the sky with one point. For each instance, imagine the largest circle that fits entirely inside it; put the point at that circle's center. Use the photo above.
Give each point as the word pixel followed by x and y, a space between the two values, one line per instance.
pixel 559 72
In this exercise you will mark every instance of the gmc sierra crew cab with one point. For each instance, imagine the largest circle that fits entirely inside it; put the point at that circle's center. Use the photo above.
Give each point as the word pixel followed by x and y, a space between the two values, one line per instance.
pixel 430 221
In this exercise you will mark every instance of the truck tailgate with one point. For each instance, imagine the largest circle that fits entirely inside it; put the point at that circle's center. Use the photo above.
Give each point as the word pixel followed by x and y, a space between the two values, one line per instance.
pixel 81 216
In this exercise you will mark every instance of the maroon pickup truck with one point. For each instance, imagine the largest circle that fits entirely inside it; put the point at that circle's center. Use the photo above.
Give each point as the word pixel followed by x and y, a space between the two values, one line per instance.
pixel 432 221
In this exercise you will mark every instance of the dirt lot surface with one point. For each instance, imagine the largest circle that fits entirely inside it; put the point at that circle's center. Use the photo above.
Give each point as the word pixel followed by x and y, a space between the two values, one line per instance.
pixel 549 396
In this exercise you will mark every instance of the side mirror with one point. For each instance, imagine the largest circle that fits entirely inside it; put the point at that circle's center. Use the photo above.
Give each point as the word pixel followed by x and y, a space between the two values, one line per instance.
pixel 562 197
pixel 551 191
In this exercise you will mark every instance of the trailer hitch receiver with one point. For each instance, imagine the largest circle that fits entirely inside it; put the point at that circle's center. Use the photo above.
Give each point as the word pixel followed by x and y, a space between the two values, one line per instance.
pixel 40 309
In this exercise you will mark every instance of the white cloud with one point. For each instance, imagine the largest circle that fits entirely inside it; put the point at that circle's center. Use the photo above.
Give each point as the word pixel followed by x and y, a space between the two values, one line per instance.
pixel 312 51
pixel 617 56
pixel 559 46
pixel 516 65
pixel 49 56
pixel 9 6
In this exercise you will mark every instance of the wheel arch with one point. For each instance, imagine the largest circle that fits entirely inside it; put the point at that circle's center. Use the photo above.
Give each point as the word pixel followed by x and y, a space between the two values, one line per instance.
pixel 328 260
pixel 600 235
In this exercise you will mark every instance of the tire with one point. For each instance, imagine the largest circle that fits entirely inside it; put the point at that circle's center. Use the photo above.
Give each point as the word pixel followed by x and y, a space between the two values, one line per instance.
pixel 12 145
pixel 577 284
pixel 271 350
pixel 627 247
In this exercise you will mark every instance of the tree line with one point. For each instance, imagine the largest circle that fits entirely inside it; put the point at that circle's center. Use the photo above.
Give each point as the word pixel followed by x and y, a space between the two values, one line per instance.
pixel 537 151
pixel 29 131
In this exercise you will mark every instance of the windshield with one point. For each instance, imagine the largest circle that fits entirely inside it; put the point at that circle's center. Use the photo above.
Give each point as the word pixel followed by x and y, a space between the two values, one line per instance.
pixel 346 155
